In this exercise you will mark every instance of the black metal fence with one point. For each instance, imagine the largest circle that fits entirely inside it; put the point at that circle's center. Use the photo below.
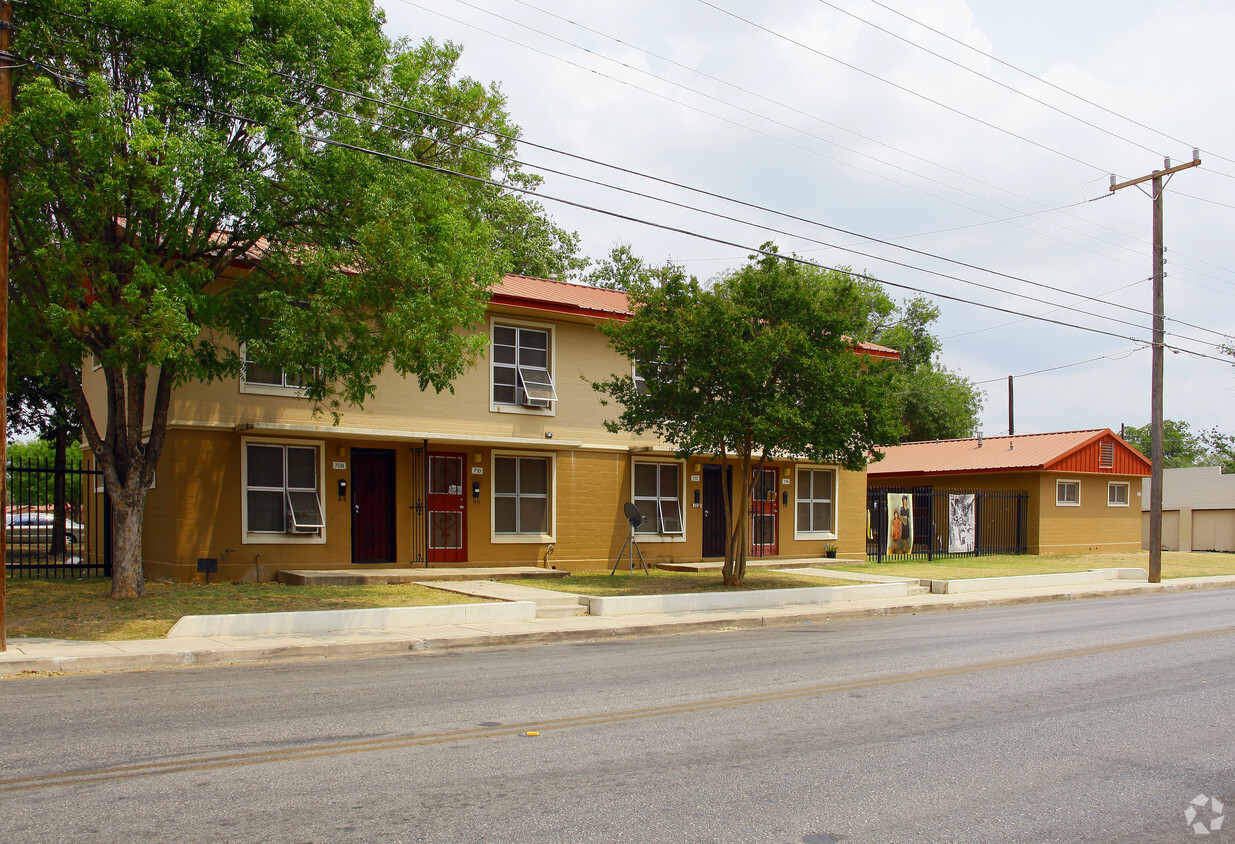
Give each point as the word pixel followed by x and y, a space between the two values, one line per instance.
pixel 57 522
pixel 944 522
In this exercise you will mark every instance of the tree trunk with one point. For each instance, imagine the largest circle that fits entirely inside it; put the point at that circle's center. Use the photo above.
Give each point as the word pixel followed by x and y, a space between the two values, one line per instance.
pixel 127 580
pixel 737 544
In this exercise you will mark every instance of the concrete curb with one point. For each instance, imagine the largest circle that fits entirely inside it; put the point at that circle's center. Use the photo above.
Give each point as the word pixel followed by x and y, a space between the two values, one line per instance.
pixel 758 599
pixel 331 621
pixel 1035 581
pixel 76 657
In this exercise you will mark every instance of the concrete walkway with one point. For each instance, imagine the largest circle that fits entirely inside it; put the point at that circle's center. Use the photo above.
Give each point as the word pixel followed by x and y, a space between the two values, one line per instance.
pixel 58 656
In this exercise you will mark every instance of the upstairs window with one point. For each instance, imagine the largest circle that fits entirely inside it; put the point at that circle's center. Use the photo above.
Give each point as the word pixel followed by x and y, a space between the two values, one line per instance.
pixel 261 375
pixel 1106 456
pixel 521 374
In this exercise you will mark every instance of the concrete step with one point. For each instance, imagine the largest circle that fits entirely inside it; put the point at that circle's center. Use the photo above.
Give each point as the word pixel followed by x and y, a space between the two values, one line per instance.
pixel 363 576
pixel 560 610
pixel 761 563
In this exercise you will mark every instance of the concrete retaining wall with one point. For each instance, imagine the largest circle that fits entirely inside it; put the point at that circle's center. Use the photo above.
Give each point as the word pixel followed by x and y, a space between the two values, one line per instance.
pixel 1032 581
pixel 755 599
pixel 328 621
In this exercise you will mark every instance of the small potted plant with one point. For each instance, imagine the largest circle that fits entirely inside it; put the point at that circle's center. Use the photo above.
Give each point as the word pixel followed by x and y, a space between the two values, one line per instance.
pixel 829 551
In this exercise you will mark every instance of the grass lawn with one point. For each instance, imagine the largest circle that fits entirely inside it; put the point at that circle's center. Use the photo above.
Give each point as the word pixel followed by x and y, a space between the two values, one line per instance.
pixel 600 584
pixel 1174 564
pixel 81 609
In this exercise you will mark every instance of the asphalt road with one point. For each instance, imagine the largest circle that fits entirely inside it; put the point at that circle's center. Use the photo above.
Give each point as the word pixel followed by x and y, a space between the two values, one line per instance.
pixel 1088 721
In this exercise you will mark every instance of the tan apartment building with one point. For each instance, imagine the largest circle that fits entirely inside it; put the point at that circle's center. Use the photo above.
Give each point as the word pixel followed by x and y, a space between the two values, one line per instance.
pixel 514 467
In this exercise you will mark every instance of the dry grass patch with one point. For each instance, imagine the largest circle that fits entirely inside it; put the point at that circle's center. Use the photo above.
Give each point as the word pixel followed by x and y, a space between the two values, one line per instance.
pixel 1174 564
pixel 81 609
pixel 600 584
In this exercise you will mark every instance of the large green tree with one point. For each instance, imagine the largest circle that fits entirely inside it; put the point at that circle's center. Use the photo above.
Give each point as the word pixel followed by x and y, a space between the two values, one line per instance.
pixel 935 403
pixel 190 179
pixel 757 366
pixel 1181 446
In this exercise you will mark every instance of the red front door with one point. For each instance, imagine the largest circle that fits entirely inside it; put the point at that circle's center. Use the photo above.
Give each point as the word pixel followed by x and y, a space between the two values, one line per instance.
pixel 447 509
pixel 763 513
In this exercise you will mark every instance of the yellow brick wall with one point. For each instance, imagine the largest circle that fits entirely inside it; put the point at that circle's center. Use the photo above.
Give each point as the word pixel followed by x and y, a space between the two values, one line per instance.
pixel 1092 527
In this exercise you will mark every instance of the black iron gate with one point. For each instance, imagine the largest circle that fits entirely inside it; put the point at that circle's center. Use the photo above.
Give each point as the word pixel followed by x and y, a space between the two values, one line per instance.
pixel 50 533
pixel 974 522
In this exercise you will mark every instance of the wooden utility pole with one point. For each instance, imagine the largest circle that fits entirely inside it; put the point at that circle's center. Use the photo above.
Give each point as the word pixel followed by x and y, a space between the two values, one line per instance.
pixel 6 105
pixel 1011 415
pixel 1155 386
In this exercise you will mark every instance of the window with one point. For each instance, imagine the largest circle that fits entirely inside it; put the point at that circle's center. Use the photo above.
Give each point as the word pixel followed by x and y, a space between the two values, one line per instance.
pixel 1106 456
pixel 256 374
pixel 658 490
pixel 522 505
pixel 814 501
pixel 281 489
pixel 1067 493
pixel 521 374
pixel 1116 495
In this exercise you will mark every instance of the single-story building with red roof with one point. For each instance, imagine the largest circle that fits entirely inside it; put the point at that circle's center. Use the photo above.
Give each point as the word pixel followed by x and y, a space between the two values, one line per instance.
pixel 1083 487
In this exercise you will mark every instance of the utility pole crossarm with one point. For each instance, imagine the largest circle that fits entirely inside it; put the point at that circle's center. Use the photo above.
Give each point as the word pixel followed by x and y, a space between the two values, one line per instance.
pixel 1157 174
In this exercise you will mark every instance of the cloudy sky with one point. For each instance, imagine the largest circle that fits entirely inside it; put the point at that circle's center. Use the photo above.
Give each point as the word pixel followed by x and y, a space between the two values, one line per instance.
pixel 960 149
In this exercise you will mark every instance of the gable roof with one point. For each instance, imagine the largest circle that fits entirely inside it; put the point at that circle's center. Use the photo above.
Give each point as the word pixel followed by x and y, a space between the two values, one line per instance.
pixel 562 297
pixel 1068 451
pixel 543 294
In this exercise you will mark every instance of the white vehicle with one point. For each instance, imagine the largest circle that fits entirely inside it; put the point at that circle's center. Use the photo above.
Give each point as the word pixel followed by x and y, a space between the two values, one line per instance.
pixel 36 529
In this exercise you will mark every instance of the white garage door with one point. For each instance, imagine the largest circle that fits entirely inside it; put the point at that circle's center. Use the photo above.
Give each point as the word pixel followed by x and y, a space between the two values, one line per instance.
pixel 1170 530
pixel 1213 530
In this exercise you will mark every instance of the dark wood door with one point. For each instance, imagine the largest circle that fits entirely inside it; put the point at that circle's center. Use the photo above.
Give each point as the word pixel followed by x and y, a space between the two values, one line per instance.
pixel 447 509
pixel 714 510
pixel 373 505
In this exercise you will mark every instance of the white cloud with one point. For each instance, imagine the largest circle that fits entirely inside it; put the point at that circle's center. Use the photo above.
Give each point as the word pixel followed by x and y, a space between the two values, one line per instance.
pixel 1163 63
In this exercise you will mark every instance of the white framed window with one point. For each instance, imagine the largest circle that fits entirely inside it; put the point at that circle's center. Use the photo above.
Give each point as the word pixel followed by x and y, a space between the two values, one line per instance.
pixel 1067 493
pixel 259 378
pixel 656 489
pixel 522 368
pixel 523 497
pixel 1117 494
pixel 815 516
pixel 282 491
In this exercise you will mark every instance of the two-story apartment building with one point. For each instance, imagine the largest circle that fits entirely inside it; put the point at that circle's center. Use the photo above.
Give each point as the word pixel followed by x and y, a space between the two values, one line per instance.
pixel 514 467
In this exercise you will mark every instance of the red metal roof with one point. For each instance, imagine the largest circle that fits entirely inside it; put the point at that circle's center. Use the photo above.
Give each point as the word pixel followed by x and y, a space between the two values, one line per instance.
pixel 1075 451
pixel 544 294
pixel 563 297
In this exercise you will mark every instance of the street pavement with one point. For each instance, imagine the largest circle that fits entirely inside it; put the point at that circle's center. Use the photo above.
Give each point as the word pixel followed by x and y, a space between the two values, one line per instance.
pixel 30 655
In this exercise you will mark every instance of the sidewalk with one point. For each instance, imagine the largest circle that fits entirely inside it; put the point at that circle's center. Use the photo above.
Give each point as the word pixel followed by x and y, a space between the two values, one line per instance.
pixel 60 656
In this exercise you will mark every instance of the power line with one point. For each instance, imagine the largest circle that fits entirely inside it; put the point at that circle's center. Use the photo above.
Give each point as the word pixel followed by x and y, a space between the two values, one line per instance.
pixel 1048 83
pixel 670 228
pixel 900 87
pixel 1112 356
pixel 987 77
pixel 563 60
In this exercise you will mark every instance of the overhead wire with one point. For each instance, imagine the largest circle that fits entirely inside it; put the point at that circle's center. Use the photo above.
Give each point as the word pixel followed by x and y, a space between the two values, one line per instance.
pixel 416 5
pixel 1049 84
pixel 903 88
pixel 1113 356
pixel 693 234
